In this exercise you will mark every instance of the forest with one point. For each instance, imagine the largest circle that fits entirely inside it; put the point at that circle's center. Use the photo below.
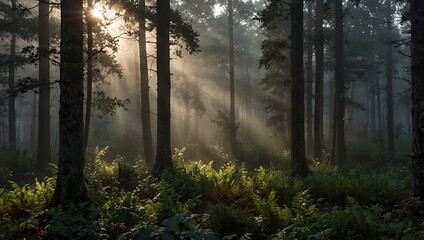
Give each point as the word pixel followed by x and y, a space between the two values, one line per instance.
pixel 215 119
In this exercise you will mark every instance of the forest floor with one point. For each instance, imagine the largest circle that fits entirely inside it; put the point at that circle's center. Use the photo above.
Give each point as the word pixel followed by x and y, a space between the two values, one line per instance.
pixel 197 200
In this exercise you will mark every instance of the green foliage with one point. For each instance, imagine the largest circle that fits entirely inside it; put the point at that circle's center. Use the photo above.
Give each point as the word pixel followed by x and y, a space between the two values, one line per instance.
pixel 275 216
pixel 167 204
pixel 123 207
pixel 267 180
pixel 229 201
pixel 74 221
pixel 387 187
pixel 225 219
pixel 181 226
pixel 21 199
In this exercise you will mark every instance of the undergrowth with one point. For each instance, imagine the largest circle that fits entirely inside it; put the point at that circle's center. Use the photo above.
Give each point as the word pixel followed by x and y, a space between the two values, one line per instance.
pixel 197 200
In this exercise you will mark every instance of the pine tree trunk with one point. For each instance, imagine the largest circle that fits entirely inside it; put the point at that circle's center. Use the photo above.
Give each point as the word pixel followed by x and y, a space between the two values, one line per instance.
pixel 89 89
pixel 373 111
pixel 70 184
pixel 339 105
pixel 33 134
pixel 233 128
pixel 389 83
pixel 299 167
pixel 379 110
pixel 309 83
pixel 12 112
pixel 144 85
pixel 417 87
pixel 43 147
pixel 319 79
pixel 163 149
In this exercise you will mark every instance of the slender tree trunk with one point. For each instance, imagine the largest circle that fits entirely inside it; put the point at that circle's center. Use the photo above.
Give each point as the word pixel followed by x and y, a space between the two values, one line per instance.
pixel 89 89
pixel 12 63
pixel 43 147
pixel 379 110
pixel 389 78
pixel 33 134
pixel 299 166
pixel 233 128
pixel 417 87
pixel 144 85
pixel 319 79
pixel 339 106
pixel 163 149
pixel 309 83
pixel 70 184
pixel 373 111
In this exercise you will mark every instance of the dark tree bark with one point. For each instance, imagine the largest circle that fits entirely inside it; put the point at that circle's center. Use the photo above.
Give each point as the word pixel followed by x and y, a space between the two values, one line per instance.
pixel 379 110
pixel 319 79
pixel 299 166
pixel 417 97
pixel 233 127
pixel 43 147
pixel 70 184
pixel 89 89
pixel 339 156
pixel 144 85
pixel 389 82
pixel 373 108
pixel 12 63
pixel 34 127
pixel 163 149
pixel 309 83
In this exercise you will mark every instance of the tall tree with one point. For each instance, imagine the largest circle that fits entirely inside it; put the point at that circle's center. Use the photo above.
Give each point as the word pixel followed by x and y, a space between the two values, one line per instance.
pixel 43 147
pixel 89 22
pixel 233 127
pixel 163 149
pixel 12 65
pixel 417 97
pixel 339 151
pixel 70 184
pixel 299 166
pixel 144 84
pixel 309 82
pixel 319 79
pixel 389 80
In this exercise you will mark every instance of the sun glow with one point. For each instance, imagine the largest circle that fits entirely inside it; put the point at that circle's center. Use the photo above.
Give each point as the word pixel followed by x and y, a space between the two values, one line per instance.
pixel 102 13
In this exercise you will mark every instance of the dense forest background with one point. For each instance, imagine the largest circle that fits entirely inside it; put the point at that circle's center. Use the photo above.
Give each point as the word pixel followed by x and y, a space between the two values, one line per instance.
pixel 222 119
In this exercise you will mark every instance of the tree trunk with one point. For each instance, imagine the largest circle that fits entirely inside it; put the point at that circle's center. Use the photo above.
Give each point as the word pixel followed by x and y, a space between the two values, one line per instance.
pixel 163 149
pixel 12 112
pixel 319 79
pixel 43 147
pixel 70 184
pixel 417 97
pixel 389 78
pixel 339 106
pixel 299 167
pixel 379 110
pixel 373 111
pixel 309 82
pixel 33 134
pixel 233 128
pixel 144 85
pixel 89 90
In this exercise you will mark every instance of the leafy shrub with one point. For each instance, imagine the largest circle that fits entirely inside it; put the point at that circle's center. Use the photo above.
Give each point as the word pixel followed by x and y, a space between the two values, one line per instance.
pixel 275 216
pixel 167 204
pixel 225 219
pixel 124 208
pixel 74 221
pixel 21 199
pixel 267 180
